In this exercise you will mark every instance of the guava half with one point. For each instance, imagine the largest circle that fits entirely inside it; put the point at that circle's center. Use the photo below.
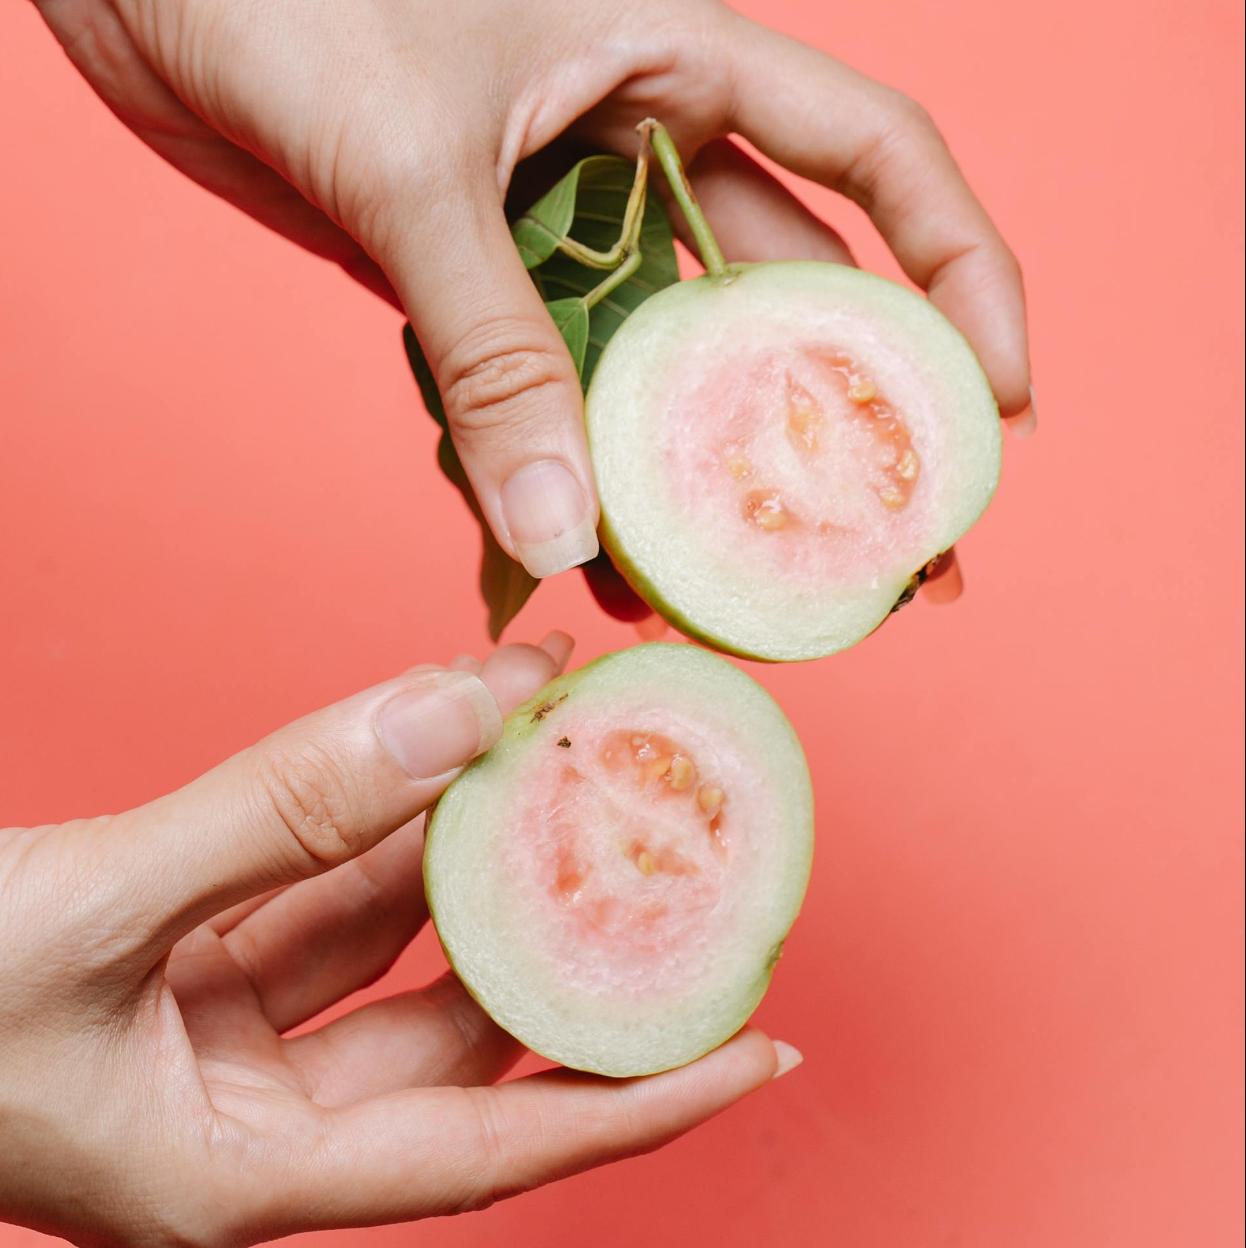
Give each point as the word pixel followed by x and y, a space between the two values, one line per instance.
pixel 781 449
pixel 613 881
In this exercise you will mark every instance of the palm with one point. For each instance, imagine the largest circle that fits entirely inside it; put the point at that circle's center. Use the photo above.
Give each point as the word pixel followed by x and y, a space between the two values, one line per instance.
pixel 243 982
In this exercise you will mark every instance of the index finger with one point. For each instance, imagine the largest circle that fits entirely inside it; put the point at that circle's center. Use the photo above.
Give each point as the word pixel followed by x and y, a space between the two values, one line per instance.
pixel 830 124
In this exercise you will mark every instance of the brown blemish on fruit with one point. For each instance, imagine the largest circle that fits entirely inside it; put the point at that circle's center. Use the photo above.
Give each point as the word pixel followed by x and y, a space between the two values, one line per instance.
pixel 564 743
pixel 545 708
pixel 908 593
pixel 915 582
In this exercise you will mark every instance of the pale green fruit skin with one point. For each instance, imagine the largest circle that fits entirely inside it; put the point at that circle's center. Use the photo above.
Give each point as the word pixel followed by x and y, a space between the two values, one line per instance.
pixel 459 898
pixel 627 383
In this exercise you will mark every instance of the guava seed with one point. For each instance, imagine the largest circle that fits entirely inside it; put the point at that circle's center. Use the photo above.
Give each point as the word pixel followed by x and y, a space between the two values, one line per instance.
pixel 710 799
pixel 765 509
pixel 682 773
pixel 862 390
pixel 906 467
pixel 803 416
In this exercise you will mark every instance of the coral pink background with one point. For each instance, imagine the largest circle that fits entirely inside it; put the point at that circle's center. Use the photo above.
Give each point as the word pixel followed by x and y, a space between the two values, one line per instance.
pixel 1017 981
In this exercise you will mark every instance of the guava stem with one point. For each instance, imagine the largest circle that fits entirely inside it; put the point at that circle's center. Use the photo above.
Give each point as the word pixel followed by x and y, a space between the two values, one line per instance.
pixel 668 157
pixel 617 278
pixel 633 214
pixel 628 245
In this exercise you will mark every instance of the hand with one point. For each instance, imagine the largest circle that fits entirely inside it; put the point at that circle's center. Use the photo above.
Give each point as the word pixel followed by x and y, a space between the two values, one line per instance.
pixel 153 960
pixel 384 135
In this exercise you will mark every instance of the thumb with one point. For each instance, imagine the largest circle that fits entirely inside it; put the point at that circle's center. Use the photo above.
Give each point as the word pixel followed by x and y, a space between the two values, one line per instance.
pixel 305 799
pixel 511 392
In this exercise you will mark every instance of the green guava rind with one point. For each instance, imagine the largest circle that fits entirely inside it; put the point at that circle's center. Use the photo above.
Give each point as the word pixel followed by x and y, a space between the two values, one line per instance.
pixel 461 913
pixel 638 350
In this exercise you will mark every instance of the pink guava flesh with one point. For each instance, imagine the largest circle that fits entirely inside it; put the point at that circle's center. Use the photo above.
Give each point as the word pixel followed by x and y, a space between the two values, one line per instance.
pixel 802 460
pixel 625 847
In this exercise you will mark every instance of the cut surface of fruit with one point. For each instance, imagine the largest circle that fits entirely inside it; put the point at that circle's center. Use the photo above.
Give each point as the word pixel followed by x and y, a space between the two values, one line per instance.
pixel 780 449
pixel 613 881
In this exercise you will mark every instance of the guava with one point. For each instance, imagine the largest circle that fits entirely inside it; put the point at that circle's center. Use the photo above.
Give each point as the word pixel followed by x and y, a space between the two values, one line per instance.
pixel 613 881
pixel 782 449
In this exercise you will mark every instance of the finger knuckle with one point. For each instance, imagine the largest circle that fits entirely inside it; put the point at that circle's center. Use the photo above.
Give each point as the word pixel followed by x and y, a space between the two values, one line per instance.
pixel 165 1231
pixel 499 374
pixel 377 200
pixel 985 267
pixel 910 116
pixel 1010 270
pixel 307 794
pixel 905 136
pixel 488 1181
pixel 469 1030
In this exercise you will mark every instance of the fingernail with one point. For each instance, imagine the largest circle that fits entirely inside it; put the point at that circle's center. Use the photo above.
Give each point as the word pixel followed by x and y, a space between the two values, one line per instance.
pixel 651 628
pixel 440 722
pixel 945 582
pixel 558 645
pixel 549 518
pixel 1025 423
pixel 789 1057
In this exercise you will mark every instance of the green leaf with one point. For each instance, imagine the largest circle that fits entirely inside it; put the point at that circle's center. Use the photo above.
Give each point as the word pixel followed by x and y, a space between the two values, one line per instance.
pixel 597 190
pixel 539 231
pixel 571 318
pixel 504 584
